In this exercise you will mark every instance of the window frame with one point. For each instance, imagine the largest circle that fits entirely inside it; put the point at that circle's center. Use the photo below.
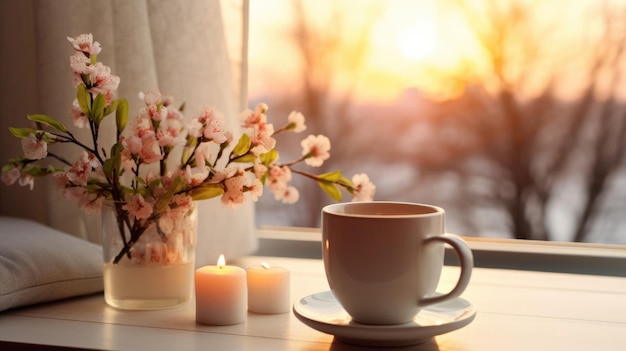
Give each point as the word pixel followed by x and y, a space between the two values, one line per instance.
pixel 530 255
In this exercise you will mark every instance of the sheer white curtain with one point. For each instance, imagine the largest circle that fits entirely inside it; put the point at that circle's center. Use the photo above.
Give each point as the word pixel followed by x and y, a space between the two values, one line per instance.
pixel 178 46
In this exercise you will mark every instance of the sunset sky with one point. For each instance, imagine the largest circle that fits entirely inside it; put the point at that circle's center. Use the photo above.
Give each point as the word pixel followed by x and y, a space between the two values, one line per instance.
pixel 413 42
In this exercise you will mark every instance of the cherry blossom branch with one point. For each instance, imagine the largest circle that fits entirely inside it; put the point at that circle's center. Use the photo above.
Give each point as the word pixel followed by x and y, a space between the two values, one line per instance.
pixel 63 160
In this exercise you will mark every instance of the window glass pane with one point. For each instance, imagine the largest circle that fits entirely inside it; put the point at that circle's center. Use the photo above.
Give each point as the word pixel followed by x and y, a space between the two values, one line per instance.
pixel 509 114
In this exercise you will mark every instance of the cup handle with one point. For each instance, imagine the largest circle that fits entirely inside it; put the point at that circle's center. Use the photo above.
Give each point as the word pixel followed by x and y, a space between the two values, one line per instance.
pixel 466 259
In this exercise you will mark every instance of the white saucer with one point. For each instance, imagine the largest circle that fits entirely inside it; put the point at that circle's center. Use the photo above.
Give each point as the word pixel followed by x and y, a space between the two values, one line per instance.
pixel 323 312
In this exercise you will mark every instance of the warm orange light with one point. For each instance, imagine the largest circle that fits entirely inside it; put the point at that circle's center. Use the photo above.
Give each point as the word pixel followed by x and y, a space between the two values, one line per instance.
pixel 221 262
pixel 417 42
pixel 411 44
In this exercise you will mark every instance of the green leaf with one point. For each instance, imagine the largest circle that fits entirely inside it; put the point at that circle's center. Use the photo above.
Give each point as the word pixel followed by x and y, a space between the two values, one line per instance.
pixel 245 159
pixel 37 171
pixel 345 181
pixel 186 154
pixel 177 185
pixel 7 167
pixel 22 132
pixel 269 157
pixel 112 107
pixel 121 116
pixel 112 166
pixel 48 138
pixel 84 99
pixel 331 176
pixel 97 109
pixel 48 121
pixel 330 189
pixel 206 192
pixel 154 183
pixel 107 168
pixel 242 146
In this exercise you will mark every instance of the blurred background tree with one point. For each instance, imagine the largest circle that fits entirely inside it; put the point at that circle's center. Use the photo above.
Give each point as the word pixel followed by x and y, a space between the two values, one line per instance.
pixel 509 114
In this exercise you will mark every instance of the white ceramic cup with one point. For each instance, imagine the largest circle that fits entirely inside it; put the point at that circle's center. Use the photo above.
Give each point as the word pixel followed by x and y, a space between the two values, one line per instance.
pixel 383 260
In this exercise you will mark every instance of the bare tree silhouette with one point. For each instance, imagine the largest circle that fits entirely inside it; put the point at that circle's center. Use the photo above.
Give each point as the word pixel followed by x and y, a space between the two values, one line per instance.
pixel 528 147
pixel 509 154
pixel 327 56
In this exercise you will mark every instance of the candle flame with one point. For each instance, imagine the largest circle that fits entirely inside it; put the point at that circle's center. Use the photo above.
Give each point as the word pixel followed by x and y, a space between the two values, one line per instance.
pixel 221 262
pixel 265 265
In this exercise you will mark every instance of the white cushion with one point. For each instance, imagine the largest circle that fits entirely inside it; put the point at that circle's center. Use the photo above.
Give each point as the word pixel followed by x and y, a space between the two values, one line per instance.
pixel 40 264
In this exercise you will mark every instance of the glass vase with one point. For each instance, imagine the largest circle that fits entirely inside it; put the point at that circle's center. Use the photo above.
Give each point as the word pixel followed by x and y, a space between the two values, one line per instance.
pixel 148 263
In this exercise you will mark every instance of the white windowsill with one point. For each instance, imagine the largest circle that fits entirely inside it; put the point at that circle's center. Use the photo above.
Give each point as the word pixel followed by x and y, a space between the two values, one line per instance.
pixel 496 253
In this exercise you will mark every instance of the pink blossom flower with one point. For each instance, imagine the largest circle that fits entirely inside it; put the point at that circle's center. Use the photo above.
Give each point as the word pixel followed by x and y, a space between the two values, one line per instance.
pixel 156 252
pixel 132 144
pixel 91 203
pixel 155 112
pixel 175 246
pixel 364 188
pixel 60 179
pixel 137 206
pixel 315 150
pixel 152 97
pixel 209 125
pixel 194 128
pixel 228 172
pixel 202 154
pixel 143 143
pixel 194 176
pixel 261 138
pixel 208 113
pixel 233 196
pixel 80 64
pixel 257 128
pixel 297 120
pixel 182 200
pixel 214 131
pixel 168 100
pixel 34 148
pixel 73 192
pixel 278 177
pixel 173 221
pixel 79 119
pixel 287 195
pixel 259 169
pixel 154 109
pixel 27 180
pixel 150 152
pixel 256 117
pixel 229 136
pixel 256 190
pixel 85 43
pixel 101 79
pixel 170 132
pixel 78 174
pixel 9 177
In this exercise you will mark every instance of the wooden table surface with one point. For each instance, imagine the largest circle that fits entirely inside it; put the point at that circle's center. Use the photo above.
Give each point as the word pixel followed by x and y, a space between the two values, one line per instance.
pixel 516 310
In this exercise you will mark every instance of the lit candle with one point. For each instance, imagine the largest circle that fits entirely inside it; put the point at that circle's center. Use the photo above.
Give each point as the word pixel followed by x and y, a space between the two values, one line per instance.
pixel 268 289
pixel 221 294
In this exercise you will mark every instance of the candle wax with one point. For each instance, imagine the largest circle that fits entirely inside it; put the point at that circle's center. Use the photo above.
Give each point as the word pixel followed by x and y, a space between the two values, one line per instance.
pixel 221 295
pixel 268 290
